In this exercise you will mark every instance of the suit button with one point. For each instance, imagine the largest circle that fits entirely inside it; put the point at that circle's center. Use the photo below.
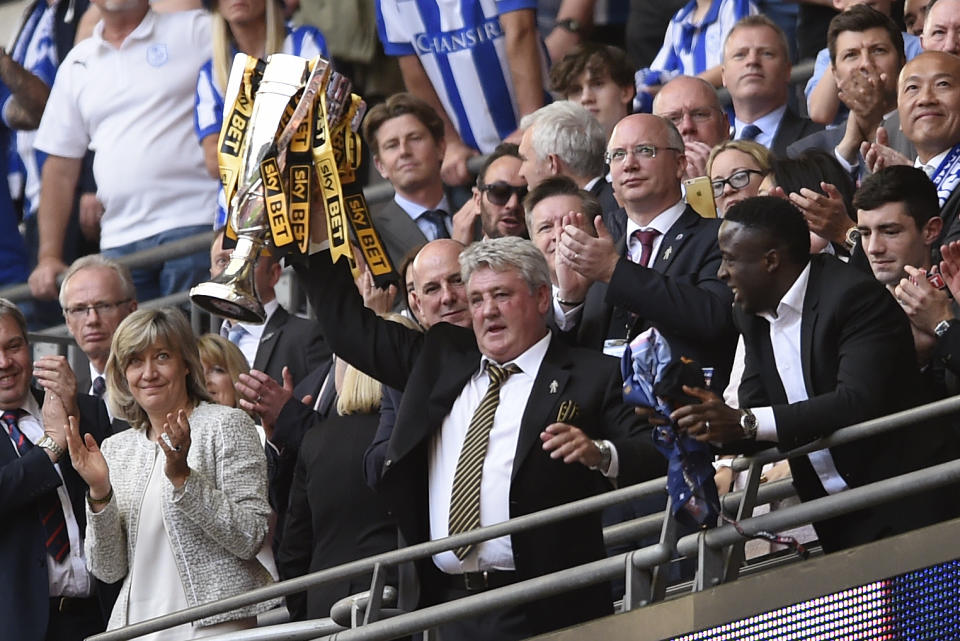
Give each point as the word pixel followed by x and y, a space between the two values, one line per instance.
pixel 387 463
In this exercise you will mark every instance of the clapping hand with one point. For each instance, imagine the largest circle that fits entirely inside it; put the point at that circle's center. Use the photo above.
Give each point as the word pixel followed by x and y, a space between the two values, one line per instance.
pixel 87 460
pixel 175 443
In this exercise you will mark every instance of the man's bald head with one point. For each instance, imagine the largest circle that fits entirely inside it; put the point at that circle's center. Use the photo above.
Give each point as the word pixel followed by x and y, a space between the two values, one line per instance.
pixel 439 294
pixel 693 106
pixel 928 99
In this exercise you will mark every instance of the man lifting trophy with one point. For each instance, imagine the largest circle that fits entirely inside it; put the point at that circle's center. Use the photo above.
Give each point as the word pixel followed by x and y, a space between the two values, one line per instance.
pixel 289 145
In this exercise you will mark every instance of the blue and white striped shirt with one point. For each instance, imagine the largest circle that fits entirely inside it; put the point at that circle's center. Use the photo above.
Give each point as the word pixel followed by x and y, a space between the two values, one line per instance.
pixel 690 48
pixel 463 51
pixel 36 51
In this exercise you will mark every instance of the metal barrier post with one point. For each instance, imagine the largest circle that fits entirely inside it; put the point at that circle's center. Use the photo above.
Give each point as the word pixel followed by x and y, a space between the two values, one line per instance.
pixel 377 582
pixel 668 538
pixel 748 501
pixel 639 585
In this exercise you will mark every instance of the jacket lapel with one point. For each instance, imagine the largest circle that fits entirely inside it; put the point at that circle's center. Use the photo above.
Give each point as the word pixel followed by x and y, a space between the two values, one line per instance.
pixel 808 324
pixel 548 390
pixel 678 234
pixel 268 340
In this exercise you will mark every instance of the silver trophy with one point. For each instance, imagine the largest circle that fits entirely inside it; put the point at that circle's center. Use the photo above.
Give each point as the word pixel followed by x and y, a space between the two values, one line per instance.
pixel 233 294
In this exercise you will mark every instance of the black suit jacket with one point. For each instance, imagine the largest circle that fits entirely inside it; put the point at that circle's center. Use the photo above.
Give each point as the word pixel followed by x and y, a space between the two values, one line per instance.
pixel 432 369
pixel 792 128
pixel 397 230
pixel 333 517
pixel 858 363
pixel 679 294
pixel 291 341
pixel 294 420
pixel 24 590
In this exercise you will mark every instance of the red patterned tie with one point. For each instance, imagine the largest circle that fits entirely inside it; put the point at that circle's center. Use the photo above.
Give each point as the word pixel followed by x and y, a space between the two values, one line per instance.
pixel 51 512
pixel 645 237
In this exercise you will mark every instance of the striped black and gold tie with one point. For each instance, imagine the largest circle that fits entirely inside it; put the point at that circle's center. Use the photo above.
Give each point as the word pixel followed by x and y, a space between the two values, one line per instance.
pixel 465 497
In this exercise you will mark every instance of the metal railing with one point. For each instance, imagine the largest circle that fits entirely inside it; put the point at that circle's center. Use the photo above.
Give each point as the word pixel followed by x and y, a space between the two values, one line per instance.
pixel 714 548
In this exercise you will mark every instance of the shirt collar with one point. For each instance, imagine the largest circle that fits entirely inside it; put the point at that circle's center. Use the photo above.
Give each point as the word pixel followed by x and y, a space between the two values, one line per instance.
pixel 141 32
pixel 933 163
pixel 662 222
pixel 257 330
pixel 415 210
pixel 529 361
pixel 94 373
pixel 30 406
pixel 768 123
pixel 792 301
pixel 593 181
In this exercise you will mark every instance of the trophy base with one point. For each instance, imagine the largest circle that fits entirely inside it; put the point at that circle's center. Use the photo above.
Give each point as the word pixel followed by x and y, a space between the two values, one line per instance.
pixel 224 300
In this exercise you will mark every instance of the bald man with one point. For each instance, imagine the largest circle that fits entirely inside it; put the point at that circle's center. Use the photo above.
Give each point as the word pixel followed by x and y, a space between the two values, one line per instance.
pixel 692 105
pixel 664 274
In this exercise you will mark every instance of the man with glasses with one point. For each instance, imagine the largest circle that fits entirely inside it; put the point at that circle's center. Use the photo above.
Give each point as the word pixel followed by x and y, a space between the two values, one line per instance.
pixel 97 293
pixel 664 273
pixel 692 105
pixel 564 139
pixel 407 142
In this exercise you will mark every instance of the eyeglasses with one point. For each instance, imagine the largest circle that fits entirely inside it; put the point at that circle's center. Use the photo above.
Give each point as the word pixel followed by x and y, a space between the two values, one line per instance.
pixel 698 116
pixel 640 151
pixel 81 311
pixel 499 192
pixel 738 180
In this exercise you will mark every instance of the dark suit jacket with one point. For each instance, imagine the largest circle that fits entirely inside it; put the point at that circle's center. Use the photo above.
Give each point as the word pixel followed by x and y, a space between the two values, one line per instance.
pixel 792 128
pixel 333 517
pixel 828 139
pixel 25 590
pixel 613 215
pixel 432 369
pixel 858 363
pixel 397 230
pixel 291 341
pixel 294 420
pixel 679 294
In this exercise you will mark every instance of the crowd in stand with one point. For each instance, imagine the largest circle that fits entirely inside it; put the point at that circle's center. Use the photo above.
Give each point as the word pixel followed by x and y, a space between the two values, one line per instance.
pixel 801 249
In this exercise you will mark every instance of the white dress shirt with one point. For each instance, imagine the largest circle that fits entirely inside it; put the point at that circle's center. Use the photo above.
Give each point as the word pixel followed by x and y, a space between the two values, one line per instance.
pixel 785 338
pixel 930 167
pixel 445 446
pixel 250 340
pixel 93 376
pixel 70 576
pixel 768 124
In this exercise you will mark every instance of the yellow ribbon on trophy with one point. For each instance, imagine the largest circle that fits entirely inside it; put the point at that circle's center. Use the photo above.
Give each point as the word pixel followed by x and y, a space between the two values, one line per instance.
pixel 300 181
pixel 233 133
pixel 348 149
pixel 329 179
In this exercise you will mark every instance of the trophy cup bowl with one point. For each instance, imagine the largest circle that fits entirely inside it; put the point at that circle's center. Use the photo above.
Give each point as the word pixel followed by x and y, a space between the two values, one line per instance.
pixel 233 294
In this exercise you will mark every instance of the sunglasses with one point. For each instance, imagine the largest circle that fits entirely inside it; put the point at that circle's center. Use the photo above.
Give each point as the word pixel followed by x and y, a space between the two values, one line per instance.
pixel 738 180
pixel 499 192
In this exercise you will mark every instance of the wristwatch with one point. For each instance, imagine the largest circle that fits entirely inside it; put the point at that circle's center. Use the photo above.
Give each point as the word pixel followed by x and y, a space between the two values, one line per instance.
pixel 748 423
pixel 570 24
pixel 851 239
pixel 605 455
pixel 48 443
pixel 943 327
